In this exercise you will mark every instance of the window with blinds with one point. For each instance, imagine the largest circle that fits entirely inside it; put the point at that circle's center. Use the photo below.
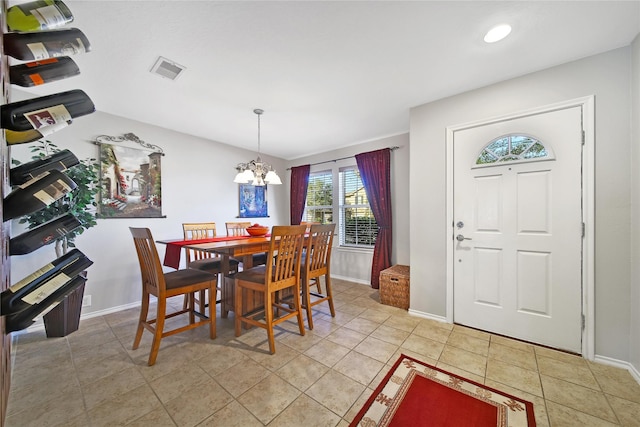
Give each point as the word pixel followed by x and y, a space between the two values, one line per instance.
pixel 357 225
pixel 319 206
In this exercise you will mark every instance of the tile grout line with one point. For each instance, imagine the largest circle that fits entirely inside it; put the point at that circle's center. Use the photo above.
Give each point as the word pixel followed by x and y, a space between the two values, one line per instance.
pixel 544 399
pixel 388 320
pixel 595 376
pixel 77 378
pixel 146 381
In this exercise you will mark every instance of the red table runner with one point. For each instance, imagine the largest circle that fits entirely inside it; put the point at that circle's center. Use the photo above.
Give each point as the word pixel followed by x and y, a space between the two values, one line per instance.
pixel 174 249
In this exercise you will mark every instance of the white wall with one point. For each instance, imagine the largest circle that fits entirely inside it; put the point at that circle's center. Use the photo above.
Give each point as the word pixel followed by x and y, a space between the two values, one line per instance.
pixel 197 185
pixel 635 207
pixel 356 263
pixel 607 76
pixel 211 195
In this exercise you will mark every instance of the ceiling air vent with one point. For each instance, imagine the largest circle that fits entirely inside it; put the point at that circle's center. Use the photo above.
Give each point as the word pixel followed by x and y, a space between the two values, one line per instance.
pixel 167 69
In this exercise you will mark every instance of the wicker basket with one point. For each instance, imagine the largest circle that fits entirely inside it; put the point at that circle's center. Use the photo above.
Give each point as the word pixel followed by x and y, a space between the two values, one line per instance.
pixel 394 286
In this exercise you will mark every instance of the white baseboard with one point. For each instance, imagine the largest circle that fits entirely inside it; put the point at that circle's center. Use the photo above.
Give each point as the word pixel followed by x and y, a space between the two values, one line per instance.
pixel 111 310
pixel 619 364
pixel 39 324
pixel 635 373
pixel 351 279
pixel 430 316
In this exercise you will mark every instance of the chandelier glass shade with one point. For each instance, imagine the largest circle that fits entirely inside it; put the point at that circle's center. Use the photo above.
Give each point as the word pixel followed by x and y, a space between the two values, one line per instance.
pixel 256 172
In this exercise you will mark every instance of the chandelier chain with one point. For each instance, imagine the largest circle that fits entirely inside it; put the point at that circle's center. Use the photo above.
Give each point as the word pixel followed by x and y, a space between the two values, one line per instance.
pixel 256 171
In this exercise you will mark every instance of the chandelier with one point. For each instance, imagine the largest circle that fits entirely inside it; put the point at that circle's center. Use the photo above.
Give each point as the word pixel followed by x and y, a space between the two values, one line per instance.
pixel 256 172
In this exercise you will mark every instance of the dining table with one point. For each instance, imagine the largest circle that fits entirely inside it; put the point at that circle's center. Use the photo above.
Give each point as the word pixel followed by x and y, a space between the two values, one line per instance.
pixel 241 248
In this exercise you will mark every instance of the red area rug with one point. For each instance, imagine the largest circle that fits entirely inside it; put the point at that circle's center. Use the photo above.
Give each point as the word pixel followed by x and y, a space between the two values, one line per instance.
pixel 414 393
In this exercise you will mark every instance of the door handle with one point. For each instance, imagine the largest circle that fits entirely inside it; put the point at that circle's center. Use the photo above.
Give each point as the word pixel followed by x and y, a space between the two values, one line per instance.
pixel 460 238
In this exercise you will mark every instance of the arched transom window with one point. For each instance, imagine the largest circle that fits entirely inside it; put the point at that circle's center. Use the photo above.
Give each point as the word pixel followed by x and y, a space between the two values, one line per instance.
pixel 513 148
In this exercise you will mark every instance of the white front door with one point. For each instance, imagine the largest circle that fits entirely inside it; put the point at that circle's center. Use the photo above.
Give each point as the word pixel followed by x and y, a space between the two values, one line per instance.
pixel 518 228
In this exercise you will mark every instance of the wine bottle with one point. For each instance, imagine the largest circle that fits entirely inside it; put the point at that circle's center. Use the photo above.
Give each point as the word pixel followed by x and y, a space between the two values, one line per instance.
pixel 48 278
pixel 25 318
pixel 60 161
pixel 38 15
pixel 37 73
pixel 36 194
pixel 38 45
pixel 43 234
pixel 44 111
pixel 21 137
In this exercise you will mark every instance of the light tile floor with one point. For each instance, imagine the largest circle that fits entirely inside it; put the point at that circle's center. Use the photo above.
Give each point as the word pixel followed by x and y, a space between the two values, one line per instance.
pixel 93 378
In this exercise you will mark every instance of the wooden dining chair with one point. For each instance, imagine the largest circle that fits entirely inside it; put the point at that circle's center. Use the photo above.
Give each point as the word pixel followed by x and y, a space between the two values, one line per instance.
pixel 308 224
pixel 202 260
pixel 285 249
pixel 317 263
pixel 166 285
pixel 240 229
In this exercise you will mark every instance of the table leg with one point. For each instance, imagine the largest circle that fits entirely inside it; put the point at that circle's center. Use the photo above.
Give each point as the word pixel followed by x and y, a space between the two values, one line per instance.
pixel 226 297
pixel 227 292
pixel 247 261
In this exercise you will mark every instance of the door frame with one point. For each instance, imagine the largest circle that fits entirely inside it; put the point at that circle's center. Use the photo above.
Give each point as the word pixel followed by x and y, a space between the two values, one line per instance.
pixel 588 208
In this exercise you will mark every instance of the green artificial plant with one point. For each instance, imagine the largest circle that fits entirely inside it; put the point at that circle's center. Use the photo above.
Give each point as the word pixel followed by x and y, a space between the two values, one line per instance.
pixel 80 202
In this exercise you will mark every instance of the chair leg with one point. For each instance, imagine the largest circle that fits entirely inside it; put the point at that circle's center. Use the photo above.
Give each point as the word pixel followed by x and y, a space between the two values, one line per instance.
pixel 296 298
pixel 157 336
pixel 276 300
pixel 144 310
pixel 192 308
pixel 306 302
pixel 327 280
pixel 212 312
pixel 227 295
pixel 268 317
pixel 201 302
pixel 238 308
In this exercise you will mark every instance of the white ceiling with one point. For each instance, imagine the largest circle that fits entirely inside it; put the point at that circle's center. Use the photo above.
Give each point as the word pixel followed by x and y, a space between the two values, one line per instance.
pixel 329 73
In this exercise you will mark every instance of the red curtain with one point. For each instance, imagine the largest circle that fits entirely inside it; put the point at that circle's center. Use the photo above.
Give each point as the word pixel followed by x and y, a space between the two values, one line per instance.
pixel 375 171
pixel 299 184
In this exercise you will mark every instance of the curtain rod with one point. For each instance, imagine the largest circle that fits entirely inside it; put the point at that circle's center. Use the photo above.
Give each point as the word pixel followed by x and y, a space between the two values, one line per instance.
pixel 395 147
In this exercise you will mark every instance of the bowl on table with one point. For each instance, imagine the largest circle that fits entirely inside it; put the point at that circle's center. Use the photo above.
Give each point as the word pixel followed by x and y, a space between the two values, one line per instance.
pixel 257 230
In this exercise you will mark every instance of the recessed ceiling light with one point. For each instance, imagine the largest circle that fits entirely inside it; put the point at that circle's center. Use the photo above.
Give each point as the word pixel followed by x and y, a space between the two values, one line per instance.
pixel 497 33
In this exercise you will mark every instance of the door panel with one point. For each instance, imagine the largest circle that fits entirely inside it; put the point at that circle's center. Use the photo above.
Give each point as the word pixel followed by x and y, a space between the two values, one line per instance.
pixel 488 203
pixel 488 265
pixel 534 204
pixel 518 263
pixel 533 284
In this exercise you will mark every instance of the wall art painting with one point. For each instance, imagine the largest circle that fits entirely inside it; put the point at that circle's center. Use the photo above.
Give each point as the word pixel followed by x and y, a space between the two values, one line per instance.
pixel 130 178
pixel 253 201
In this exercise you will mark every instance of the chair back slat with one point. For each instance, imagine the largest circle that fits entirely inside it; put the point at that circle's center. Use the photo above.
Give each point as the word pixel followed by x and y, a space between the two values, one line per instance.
pixel 285 249
pixel 308 224
pixel 317 263
pixel 150 266
pixel 319 247
pixel 237 228
pixel 198 231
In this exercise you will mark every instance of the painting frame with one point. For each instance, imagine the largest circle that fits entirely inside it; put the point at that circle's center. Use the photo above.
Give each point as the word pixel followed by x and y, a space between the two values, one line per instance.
pixel 252 201
pixel 130 178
